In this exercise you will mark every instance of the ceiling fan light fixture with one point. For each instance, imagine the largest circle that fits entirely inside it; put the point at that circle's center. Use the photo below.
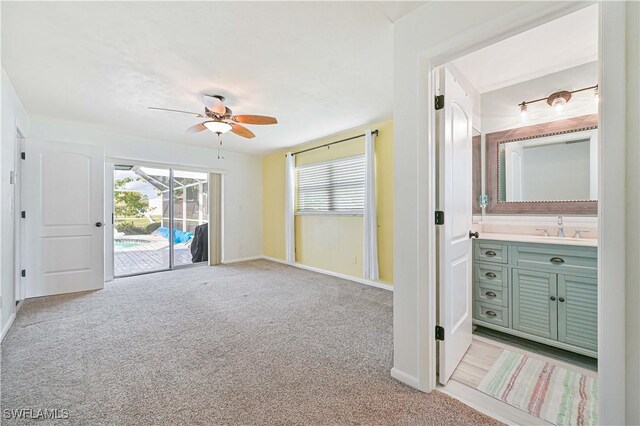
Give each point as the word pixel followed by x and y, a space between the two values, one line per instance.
pixel 218 126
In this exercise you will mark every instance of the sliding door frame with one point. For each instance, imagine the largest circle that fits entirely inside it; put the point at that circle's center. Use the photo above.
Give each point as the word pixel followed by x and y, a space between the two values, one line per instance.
pixel 110 162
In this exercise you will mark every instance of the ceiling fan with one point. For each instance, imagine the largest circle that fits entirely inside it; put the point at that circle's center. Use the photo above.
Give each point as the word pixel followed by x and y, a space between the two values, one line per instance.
pixel 220 118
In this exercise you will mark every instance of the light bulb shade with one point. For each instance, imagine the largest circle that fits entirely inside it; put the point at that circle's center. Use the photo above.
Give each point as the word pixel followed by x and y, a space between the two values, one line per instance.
pixel 218 126
pixel 523 110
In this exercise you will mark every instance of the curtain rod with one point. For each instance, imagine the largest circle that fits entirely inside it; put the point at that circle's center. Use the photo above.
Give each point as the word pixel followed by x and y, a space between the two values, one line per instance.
pixel 375 132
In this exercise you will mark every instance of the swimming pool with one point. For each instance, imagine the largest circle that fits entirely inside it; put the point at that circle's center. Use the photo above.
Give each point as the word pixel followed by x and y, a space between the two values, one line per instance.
pixel 124 244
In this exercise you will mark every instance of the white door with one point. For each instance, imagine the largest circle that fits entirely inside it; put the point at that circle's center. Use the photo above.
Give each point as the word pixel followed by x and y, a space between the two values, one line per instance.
pixel 513 156
pixel 63 198
pixel 454 243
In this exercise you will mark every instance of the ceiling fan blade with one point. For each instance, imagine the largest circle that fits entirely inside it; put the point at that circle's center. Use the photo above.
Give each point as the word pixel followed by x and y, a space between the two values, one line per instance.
pixel 214 104
pixel 197 128
pixel 242 131
pixel 255 119
pixel 197 114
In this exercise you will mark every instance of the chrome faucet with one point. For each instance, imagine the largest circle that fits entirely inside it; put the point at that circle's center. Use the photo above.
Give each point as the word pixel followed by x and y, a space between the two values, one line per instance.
pixel 560 228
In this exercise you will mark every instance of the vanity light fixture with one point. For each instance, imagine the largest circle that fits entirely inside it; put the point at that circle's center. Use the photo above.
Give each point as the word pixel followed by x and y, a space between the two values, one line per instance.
pixel 557 100
pixel 523 110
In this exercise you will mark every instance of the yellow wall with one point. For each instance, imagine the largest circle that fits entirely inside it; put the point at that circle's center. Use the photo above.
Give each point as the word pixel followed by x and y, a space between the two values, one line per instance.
pixel 333 243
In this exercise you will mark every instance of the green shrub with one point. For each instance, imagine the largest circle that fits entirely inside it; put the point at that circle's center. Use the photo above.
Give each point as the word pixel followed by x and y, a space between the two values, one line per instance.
pixel 130 229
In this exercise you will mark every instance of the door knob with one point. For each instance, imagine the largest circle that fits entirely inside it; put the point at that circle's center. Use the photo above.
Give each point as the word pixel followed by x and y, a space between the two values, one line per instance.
pixel 553 298
pixel 99 224
pixel 474 234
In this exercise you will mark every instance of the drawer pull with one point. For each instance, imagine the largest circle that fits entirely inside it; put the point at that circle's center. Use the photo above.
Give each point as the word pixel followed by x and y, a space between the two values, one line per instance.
pixel 490 253
pixel 557 260
pixel 490 275
pixel 490 294
pixel 491 314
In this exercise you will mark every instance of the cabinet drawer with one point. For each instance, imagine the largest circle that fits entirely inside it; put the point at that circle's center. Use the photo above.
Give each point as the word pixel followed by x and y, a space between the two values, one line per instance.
pixel 491 274
pixel 489 293
pixel 494 314
pixel 557 259
pixel 488 252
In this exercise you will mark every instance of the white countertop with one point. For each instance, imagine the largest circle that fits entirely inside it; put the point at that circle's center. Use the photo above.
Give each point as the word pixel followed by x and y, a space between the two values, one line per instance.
pixel 567 241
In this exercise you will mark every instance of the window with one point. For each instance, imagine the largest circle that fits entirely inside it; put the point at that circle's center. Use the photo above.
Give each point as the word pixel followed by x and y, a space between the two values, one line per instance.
pixel 331 187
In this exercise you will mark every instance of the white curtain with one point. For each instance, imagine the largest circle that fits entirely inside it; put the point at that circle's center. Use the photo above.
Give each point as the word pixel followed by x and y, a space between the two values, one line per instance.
pixel 370 263
pixel 289 209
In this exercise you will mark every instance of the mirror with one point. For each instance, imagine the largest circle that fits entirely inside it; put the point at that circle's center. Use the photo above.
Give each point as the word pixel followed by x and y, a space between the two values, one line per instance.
pixel 544 168
pixel 552 168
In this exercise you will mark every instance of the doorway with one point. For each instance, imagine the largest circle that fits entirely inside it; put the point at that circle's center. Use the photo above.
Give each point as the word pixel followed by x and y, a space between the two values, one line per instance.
pixel 161 218
pixel 534 197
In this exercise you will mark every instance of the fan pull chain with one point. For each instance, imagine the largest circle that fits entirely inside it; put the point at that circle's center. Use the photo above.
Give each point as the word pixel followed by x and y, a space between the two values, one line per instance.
pixel 220 157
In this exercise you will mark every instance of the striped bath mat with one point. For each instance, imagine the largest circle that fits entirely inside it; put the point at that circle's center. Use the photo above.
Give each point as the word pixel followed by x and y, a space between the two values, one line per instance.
pixel 549 392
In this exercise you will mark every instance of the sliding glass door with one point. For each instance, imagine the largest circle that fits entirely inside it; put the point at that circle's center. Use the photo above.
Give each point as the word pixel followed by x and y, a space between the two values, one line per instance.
pixel 190 217
pixel 160 219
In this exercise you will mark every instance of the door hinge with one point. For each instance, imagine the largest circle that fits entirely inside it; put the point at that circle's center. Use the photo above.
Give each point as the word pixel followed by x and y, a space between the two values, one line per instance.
pixel 439 333
pixel 439 102
pixel 23 155
pixel 23 273
pixel 24 214
pixel 439 217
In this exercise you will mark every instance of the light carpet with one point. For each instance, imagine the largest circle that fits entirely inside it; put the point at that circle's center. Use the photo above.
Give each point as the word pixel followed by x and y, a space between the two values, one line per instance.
pixel 547 391
pixel 249 343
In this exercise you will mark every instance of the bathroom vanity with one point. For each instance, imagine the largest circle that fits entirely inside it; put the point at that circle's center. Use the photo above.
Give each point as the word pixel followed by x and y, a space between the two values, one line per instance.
pixel 539 288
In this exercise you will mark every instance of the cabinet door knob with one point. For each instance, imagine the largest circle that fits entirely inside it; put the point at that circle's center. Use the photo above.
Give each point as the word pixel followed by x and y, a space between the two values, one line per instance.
pixel 490 253
pixel 553 298
pixel 561 299
pixel 490 275
pixel 490 294
pixel 474 234
pixel 492 314
pixel 556 260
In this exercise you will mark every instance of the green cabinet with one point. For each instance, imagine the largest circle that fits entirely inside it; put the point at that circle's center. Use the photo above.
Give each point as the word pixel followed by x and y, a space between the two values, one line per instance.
pixel 535 309
pixel 578 311
pixel 543 292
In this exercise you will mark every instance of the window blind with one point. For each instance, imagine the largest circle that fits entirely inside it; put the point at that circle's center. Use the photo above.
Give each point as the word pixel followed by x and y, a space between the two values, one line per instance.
pixel 331 187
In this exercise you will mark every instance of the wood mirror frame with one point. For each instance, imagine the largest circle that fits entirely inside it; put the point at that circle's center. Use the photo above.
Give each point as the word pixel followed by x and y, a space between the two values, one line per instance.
pixel 493 141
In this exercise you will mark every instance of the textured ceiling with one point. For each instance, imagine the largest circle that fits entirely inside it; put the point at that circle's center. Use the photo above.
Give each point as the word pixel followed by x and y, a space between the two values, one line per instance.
pixel 319 67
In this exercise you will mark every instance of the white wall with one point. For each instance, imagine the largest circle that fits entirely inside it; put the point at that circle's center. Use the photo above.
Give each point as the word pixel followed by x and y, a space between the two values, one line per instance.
pixel 242 181
pixel 633 216
pixel 13 116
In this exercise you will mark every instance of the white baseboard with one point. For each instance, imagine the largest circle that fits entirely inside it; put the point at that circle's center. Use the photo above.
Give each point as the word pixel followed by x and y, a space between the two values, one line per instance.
pixel 242 259
pixel 7 326
pixel 332 274
pixel 405 378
